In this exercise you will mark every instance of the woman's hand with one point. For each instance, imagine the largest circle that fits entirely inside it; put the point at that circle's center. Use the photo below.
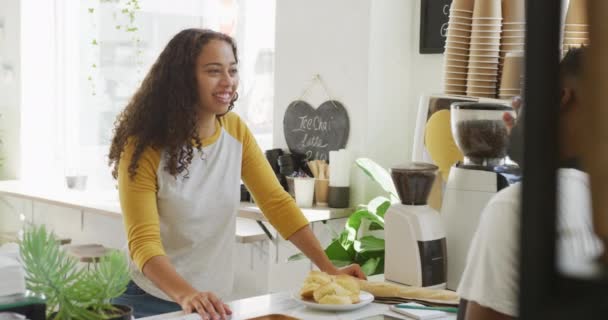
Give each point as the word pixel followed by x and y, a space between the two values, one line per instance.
pixel 206 304
pixel 351 270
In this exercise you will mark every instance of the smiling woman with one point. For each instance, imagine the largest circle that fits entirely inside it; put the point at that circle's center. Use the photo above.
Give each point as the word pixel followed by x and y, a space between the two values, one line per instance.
pixel 179 154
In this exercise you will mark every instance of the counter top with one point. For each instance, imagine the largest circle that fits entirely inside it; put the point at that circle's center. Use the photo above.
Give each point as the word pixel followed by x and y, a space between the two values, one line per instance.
pixel 314 214
pixel 283 303
pixel 106 201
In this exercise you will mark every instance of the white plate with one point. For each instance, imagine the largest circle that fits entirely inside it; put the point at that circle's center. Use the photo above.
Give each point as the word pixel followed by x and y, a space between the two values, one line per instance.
pixel 365 297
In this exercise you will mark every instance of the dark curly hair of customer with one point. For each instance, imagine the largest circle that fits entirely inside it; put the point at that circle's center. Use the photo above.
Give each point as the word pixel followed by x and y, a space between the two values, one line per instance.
pixel 163 113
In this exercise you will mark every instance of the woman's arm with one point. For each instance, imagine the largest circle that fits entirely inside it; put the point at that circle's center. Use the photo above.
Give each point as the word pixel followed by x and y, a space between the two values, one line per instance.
pixel 306 241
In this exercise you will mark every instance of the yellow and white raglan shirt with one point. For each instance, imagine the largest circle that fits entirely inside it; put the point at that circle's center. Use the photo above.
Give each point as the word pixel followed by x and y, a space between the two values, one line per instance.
pixel 192 220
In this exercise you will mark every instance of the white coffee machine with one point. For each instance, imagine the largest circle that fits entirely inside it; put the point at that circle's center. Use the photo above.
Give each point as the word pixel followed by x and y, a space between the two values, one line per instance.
pixel 415 244
pixel 481 135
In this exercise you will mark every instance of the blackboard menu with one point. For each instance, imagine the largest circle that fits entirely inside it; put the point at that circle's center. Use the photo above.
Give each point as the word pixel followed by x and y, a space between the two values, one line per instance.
pixel 434 17
pixel 314 132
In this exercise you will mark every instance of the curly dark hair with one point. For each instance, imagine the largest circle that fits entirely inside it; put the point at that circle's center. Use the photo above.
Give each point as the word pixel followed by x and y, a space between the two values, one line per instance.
pixel 163 113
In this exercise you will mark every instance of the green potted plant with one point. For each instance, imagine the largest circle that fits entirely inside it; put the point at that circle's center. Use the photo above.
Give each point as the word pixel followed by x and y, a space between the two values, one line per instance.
pixel 70 291
pixel 349 246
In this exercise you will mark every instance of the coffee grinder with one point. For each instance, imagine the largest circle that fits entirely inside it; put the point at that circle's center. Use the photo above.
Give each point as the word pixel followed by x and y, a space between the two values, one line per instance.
pixel 415 243
pixel 482 136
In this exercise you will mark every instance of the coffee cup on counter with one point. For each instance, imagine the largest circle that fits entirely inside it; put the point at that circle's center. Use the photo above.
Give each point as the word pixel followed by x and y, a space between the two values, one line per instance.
pixel 304 189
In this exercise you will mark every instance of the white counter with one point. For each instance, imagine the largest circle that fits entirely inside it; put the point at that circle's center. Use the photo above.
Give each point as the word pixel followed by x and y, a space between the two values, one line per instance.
pixel 106 202
pixel 283 303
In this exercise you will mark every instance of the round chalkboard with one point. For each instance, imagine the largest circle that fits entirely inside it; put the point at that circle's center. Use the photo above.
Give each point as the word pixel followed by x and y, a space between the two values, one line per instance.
pixel 314 132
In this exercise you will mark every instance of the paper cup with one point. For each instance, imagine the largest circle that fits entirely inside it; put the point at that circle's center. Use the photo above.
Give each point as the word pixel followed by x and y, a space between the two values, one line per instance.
pixel 460 20
pixel 512 47
pixel 477 90
pixel 460 25
pixel 489 94
pixel 514 10
pixel 455 93
pixel 456 44
pixel 459 55
pixel 485 40
pixel 486 28
pixel 456 59
pixel 510 90
pixel 455 75
pixel 481 95
pixel 481 83
pixel 452 57
pixel 576 41
pixel 452 32
pixel 454 88
pixel 576 34
pixel 487 9
pixel 304 190
pixel 577 12
pixel 513 26
pixel 484 47
pixel 463 5
pixel 466 39
pixel 512 71
pixel 453 85
pixel 455 81
pixel 483 65
pixel 574 27
pixel 484 51
pixel 484 60
pixel 457 51
pixel 481 90
pixel 455 68
pixel 513 33
pixel 514 40
pixel 459 63
pixel 488 55
pixel 321 192
pixel 483 72
pixel 484 77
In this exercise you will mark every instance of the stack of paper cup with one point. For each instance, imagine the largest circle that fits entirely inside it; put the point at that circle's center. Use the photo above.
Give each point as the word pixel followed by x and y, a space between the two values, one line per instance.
pixel 576 30
pixel 457 47
pixel 514 27
pixel 482 73
pixel 513 38
pixel 510 83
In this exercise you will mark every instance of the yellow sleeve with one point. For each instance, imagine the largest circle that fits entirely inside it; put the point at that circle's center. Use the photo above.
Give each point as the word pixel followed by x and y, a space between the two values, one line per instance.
pixel 276 204
pixel 138 204
pixel 440 143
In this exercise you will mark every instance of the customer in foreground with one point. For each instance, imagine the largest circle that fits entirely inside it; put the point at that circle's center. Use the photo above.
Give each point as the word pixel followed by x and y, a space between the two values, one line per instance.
pixel 489 285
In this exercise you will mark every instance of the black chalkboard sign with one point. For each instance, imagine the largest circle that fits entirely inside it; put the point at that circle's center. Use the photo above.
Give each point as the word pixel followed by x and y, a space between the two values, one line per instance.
pixel 314 132
pixel 434 16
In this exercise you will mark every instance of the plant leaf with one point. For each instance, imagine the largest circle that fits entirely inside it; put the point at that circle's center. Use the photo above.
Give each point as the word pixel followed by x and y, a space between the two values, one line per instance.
pixel 335 251
pixel 379 175
pixel 297 257
pixel 379 205
pixel 351 228
pixel 340 263
pixel 369 244
pixel 369 267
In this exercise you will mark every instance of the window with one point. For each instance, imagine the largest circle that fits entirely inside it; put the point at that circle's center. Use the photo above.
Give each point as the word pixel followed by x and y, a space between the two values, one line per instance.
pixel 111 44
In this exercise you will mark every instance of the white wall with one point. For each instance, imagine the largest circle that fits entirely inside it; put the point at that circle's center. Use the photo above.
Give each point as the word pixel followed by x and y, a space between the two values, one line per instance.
pixel 367 53
pixel 10 86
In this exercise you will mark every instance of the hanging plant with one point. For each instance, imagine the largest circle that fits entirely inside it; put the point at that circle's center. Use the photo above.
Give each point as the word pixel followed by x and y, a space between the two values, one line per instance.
pixel 124 18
